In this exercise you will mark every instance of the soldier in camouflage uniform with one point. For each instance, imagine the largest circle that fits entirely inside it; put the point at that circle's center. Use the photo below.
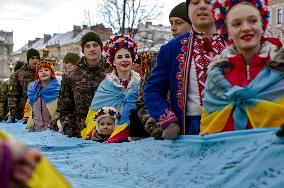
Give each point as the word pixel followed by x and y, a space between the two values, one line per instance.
pixel 70 60
pixel 3 102
pixel 149 123
pixel 79 86
pixel 17 94
pixel 4 109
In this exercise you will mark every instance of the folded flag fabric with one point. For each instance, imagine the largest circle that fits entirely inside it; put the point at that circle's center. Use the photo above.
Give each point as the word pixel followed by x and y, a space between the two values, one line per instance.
pixel 48 93
pixel 261 102
pixel 109 95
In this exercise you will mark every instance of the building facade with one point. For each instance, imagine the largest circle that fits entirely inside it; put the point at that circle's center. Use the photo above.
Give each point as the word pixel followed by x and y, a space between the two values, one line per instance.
pixel 150 37
pixel 276 22
pixel 6 49
pixel 58 45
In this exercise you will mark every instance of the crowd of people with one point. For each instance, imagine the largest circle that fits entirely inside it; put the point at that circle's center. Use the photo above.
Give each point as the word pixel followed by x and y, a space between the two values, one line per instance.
pixel 219 73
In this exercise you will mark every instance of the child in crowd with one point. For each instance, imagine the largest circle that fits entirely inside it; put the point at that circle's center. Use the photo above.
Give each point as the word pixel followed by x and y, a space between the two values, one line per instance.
pixel 42 95
pixel 106 119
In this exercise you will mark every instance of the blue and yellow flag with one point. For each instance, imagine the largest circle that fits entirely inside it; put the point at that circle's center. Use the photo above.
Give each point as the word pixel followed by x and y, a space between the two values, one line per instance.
pixel 261 102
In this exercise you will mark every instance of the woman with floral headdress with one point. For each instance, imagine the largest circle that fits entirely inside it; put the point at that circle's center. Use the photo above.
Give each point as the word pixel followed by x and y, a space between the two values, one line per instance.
pixel 43 95
pixel 120 87
pixel 245 84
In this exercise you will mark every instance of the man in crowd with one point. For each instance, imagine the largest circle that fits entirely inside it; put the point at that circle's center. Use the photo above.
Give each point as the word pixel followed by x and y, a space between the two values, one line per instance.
pixel 180 24
pixel 79 86
pixel 181 70
pixel 179 20
pixel 4 108
pixel 70 60
pixel 17 94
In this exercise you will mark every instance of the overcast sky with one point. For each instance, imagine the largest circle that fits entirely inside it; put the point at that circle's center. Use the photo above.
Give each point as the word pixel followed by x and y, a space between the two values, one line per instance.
pixel 29 19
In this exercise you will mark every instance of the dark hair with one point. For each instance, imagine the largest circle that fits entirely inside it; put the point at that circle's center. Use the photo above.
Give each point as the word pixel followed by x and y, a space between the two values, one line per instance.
pixel 31 53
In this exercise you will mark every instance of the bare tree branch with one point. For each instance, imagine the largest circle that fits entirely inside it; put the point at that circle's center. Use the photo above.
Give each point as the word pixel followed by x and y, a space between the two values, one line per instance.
pixel 137 12
pixel 87 18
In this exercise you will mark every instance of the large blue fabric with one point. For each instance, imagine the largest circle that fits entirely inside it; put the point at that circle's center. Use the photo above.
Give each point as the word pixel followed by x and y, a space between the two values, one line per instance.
pixel 48 93
pixel 247 158
pixel 109 95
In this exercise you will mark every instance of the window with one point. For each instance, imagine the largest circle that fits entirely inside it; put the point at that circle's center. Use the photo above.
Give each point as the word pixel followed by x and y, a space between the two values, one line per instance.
pixel 279 16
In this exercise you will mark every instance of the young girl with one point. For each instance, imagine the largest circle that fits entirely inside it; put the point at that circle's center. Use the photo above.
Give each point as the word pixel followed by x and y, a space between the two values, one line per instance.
pixel 245 87
pixel 106 119
pixel 120 87
pixel 43 95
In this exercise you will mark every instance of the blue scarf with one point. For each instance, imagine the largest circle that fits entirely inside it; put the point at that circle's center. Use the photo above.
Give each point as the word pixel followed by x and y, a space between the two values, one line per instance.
pixel 48 93
pixel 112 96
pixel 268 85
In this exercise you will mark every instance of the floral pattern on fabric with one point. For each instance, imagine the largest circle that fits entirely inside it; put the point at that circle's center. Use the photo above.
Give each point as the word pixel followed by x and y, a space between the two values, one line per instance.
pixel 167 118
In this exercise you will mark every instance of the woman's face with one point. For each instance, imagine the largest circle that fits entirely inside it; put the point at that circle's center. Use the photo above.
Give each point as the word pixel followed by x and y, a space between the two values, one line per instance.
pixel 244 26
pixel 122 60
pixel 44 74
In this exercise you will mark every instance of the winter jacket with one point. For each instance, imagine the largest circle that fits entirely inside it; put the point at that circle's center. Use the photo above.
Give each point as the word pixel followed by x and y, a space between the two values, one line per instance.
pixel 77 90
pixel 4 108
pixel 238 95
pixel 40 116
pixel 171 75
pixel 17 94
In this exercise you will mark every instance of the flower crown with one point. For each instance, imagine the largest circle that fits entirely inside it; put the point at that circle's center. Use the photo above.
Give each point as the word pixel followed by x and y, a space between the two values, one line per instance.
pixel 45 64
pixel 117 42
pixel 220 9
pixel 107 112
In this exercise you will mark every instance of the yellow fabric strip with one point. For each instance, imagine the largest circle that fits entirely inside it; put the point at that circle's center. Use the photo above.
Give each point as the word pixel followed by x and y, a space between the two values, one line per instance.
pixel 44 175
pixel 90 124
pixel 27 110
pixel 216 121
pixel 266 114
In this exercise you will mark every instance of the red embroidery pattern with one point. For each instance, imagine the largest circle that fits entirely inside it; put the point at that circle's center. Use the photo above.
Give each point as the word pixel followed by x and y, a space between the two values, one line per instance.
pixel 181 58
pixel 169 115
pixel 202 59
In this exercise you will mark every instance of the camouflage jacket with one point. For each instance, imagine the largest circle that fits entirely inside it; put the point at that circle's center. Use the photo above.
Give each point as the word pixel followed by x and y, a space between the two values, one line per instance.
pixel 17 92
pixel 148 122
pixel 4 109
pixel 77 90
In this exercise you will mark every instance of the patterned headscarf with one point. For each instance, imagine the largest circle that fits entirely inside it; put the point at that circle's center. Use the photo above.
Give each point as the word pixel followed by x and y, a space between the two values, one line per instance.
pixel 117 42
pixel 107 112
pixel 45 64
pixel 220 9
